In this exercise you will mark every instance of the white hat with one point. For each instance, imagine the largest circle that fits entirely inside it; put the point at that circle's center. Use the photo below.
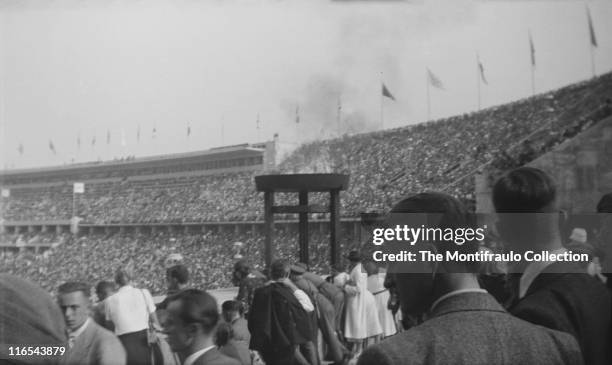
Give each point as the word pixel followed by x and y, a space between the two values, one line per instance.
pixel 579 235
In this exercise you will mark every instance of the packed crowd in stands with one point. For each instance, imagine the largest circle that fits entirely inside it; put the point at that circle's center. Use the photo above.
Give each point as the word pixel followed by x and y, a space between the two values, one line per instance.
pixel 428 156
pixel 209 255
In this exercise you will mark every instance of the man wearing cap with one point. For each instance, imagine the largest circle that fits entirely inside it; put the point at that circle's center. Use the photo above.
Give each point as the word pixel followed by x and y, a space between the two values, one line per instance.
pixel 334 294
pixel 325 315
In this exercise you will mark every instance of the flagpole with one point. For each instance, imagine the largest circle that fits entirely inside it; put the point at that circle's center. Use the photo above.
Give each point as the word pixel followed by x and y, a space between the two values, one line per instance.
pixel 382 102
pixel 592 59
pixel 339 116
pixel 532 80
pixel 478 77
pixel 428 97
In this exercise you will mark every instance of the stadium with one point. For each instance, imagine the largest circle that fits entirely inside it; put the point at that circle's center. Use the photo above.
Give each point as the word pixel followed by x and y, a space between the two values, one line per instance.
pixel 305 182
pixel 199 204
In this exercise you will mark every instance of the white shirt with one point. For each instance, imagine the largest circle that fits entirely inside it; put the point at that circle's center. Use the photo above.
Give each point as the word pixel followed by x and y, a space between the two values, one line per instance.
pixel 534 269
pixel 453 293
pixel 304 300
pixel 129 309
pixel 193 357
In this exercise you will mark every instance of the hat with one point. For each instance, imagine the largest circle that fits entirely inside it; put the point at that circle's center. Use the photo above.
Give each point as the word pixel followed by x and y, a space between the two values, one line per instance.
pixel 295 269
pixel 579 235
pixel 28 315
pixel 354 256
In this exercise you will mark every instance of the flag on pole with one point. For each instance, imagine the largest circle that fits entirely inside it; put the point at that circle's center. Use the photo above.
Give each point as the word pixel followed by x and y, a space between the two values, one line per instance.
pixel 154 133
pixel 297 114
pixel 79 141
pixel 138 134
pixel 20 149
pixel 591 29
pixel 386 92
pixel 257 122
pixel 93 140
pixel 188 129
pixel 434 80
pixel 108 136
pixel 482 75
pixel 532 50
pixel 52 147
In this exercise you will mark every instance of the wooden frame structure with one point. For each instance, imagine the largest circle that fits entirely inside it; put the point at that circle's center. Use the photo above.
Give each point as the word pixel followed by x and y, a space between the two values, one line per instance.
pixel 302 184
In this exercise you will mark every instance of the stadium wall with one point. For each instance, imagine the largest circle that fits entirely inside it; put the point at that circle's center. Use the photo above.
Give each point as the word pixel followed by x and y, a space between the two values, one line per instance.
pixel 581 167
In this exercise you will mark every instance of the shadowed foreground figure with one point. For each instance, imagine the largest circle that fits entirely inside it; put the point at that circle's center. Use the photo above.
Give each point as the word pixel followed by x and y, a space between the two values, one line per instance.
pixel 28 316
pixel 464 324
pixel 558 295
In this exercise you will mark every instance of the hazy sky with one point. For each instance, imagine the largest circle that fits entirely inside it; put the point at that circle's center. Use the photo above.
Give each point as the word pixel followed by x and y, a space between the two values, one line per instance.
pixel 71 68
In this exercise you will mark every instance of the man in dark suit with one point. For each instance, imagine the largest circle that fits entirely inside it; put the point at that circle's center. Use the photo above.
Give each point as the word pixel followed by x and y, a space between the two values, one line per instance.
pixel 465 324
pixel 190 324
pixel 88 342
pixel 558 295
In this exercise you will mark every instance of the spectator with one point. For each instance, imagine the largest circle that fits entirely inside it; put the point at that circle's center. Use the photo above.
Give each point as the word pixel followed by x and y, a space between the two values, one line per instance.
pixel 88 342
pixel 190 325
pixel 177 279
pixel 230 347
pixel 104 289
pixel 558 295
pixel 279 321
pixel 29 316
pixel 130 310
pixel 464 321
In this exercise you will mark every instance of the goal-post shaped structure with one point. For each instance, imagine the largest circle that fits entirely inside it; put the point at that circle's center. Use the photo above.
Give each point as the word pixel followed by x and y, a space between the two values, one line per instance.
pixel 302 184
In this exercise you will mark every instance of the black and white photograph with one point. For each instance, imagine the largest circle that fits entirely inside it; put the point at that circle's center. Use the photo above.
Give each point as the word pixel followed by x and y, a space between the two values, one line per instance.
pixel 306 182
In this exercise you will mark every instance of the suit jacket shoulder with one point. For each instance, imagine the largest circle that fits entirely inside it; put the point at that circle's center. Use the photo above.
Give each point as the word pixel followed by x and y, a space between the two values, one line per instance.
pixel 96 346
pixel 472 328
pixel 214 357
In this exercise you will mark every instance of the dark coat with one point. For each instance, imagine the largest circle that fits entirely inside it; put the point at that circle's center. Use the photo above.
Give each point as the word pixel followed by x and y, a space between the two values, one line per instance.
pixel 277 320
pixel 563 297
pixel 472 328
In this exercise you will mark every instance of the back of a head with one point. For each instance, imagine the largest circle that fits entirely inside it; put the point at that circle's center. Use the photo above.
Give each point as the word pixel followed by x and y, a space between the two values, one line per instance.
pixel 440 211
pixel 231 306
pixel 279 269
pixel 178 272
pixel 104 287
pixel 123 276
pixel 197 307
pixel 524 190
pixel 28 316
pixel 224 334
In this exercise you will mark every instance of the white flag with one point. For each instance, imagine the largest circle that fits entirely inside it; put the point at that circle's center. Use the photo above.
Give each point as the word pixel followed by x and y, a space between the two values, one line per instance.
pixel 79 188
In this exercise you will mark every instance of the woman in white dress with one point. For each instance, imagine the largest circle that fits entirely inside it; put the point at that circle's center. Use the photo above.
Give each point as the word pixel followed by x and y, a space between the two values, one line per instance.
pixel 376 285
pixel 361 314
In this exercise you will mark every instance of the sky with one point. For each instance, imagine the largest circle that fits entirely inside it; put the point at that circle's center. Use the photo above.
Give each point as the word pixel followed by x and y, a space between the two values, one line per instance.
pixel 74 69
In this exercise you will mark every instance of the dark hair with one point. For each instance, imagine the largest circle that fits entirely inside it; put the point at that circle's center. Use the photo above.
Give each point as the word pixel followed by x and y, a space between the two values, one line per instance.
pixel 279 269
pixel 443 211
pixel 123 276
pixel 104 286
pixel 232 306
pixel 605 204
pixel 179 272
pixel 197 306
pixel 524 190
pixel 242 266
pixel 72 286
pixel 224 334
